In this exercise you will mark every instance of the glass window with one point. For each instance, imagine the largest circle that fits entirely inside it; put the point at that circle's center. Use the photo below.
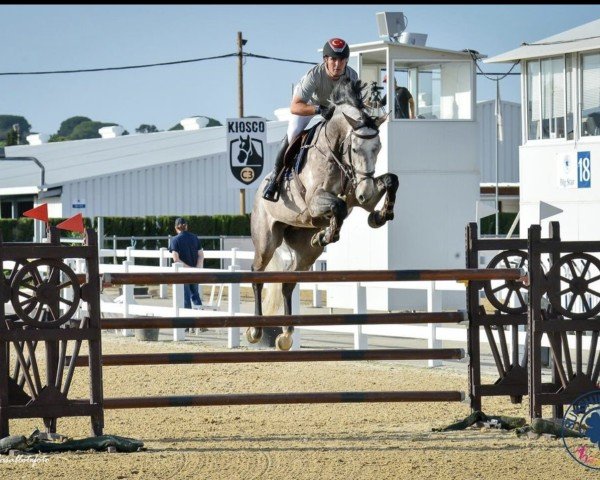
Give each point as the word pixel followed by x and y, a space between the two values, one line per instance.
pixel 6 210
pixel 428 91
pixel 439 91
pixel 570 83
pixel 590 94
pixel 23 206
pixel 553 98
pixel 533 100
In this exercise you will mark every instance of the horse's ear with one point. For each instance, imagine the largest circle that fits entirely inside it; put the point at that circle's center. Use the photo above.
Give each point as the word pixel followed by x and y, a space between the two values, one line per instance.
pixel 381 119
pixel 353 123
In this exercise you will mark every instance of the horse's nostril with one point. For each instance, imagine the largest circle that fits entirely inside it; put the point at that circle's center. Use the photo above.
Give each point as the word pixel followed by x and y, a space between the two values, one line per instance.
pixel 361 198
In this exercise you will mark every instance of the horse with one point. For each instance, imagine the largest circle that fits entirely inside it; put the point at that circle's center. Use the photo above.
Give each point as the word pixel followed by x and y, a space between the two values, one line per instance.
pixel 247 152
pixel 337 176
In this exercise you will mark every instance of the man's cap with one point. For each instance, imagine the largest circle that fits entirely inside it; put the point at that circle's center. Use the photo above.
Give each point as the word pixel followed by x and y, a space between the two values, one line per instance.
pixel 336 48
pixel 180 221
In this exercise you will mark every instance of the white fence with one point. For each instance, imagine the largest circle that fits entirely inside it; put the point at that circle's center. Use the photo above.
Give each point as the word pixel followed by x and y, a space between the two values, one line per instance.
pixel 127 306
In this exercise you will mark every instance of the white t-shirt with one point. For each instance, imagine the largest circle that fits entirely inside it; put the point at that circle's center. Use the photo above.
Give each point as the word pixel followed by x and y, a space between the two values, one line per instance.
pixel 316 86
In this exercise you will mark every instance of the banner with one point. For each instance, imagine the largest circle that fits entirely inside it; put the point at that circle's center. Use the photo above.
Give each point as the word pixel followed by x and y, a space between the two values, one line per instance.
pixel 246 146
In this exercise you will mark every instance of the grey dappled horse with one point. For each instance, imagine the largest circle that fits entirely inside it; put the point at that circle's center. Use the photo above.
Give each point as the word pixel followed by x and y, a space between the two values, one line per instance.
pixel 338 175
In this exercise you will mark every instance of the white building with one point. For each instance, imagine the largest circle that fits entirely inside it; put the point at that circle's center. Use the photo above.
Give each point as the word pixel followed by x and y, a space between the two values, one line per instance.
pixel 182 172
pixel 436 159
pixel 560 152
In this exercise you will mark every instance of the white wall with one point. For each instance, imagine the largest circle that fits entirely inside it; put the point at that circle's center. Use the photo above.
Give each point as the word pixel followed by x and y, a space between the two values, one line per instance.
pixel 540 173
pixel 438 170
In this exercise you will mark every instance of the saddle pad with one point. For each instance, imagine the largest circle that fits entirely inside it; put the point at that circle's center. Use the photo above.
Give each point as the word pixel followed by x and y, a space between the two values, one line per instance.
pixel 307 140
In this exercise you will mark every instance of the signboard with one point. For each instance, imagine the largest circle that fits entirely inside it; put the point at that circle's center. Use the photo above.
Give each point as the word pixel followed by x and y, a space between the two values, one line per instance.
pixel 574 172
pixel 246 146
pixel 584 170
pixel 78 203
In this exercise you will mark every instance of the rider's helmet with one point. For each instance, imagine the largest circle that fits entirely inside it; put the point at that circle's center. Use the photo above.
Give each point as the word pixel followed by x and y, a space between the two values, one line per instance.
pixel 336 48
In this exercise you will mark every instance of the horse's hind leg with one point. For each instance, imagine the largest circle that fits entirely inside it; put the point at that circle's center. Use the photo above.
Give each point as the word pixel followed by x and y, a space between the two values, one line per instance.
pixel 266 238
pixel 305 255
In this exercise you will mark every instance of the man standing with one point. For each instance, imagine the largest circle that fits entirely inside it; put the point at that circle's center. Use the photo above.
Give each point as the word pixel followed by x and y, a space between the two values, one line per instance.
pixel 405 104
pixel 186 248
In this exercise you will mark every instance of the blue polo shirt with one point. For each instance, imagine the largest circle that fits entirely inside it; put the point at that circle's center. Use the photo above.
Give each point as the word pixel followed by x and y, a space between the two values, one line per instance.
pixel 186 244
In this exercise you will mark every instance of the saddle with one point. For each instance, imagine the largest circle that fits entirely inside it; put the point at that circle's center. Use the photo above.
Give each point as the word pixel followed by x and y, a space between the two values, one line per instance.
pixel 295 155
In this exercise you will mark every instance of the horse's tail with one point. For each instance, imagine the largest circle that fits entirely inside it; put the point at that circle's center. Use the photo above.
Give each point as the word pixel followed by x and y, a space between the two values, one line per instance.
pixel 273 296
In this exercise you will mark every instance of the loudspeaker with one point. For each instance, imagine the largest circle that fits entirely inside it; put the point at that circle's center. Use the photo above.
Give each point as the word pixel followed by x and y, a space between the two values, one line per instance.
pixel 390 24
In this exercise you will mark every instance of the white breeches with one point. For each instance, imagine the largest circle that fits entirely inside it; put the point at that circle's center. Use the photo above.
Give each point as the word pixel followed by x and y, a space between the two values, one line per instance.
pixel 297 124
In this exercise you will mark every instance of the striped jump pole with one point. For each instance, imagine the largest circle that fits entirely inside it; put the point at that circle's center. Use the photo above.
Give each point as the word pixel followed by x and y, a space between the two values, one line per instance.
pixel 459 275
pixel 282 398
pixel 274 356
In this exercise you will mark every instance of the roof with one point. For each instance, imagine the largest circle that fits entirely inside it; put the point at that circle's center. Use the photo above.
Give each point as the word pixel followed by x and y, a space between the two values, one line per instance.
pixel 578 39
pixel 361 47
pixel 75 160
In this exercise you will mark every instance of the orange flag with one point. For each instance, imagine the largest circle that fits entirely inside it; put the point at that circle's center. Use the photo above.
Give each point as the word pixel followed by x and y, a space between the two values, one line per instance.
pixel 39 213
pixel 73 224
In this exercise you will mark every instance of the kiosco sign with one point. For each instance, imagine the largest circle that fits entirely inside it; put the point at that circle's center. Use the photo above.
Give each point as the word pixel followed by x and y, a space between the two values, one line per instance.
pixel 246 143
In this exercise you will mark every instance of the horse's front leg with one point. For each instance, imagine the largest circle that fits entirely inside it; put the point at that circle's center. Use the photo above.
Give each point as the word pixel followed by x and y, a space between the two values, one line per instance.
pixel 386 184
pixel 326 205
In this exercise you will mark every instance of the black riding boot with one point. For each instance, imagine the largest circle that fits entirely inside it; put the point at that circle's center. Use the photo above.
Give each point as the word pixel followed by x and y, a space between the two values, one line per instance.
pixel 271 191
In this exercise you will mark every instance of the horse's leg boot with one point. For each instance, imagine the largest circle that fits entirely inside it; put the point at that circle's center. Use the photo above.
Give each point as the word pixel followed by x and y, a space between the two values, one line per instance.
pixel 271 191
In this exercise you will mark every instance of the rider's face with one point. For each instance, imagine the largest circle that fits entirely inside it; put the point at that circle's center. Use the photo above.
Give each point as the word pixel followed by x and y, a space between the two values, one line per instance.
pixel 335 66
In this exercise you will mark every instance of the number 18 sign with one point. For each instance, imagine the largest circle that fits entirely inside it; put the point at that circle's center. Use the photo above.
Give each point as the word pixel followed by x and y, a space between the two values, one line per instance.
pixel 573 174
pixel 584 170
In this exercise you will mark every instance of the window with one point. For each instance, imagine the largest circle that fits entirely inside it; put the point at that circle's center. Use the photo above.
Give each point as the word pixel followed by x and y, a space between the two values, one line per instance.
pixel 571 95
pixel 590 94
pixel 553 98
pixel 549 98
pixel 6 210
pixel 440 91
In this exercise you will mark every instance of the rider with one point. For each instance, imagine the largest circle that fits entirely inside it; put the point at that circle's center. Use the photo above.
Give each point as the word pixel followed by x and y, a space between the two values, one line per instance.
pixel 311 97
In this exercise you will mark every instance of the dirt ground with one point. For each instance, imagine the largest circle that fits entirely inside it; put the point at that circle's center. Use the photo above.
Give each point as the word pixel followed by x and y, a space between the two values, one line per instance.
pixel 325 441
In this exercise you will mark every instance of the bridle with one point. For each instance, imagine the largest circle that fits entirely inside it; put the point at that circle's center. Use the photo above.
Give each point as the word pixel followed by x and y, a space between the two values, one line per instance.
pixel 349 171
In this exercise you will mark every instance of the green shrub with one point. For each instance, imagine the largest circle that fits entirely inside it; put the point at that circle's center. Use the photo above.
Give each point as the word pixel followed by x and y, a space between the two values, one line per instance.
pixel 505 220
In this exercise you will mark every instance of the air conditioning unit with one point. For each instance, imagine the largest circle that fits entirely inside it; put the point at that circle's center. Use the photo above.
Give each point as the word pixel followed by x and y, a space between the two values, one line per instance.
pixel 418 39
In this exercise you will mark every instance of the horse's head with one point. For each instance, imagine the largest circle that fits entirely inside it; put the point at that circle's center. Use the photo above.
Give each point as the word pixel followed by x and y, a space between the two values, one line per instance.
pixel 360 132
pixel 244 149
pixel 364 146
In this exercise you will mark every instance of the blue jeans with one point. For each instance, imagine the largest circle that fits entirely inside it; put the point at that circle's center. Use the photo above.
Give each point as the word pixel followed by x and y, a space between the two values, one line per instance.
pixel 191 294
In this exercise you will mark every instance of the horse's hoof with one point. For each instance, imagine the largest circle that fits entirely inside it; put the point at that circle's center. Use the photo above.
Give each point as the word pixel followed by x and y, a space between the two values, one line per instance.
pixel 317 240
pixel 283 341
pixel 253 334
pixel 374 220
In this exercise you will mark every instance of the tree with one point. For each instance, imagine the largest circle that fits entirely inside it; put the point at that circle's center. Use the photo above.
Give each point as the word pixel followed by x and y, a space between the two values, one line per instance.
pixel 88 129
pixel 68 125
pixel 12 138
pixel 7 122
pixel 144 128
pixel 212 122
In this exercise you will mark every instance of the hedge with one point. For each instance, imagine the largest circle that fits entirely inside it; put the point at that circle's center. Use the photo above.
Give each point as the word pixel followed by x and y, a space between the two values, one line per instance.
pixel 21 230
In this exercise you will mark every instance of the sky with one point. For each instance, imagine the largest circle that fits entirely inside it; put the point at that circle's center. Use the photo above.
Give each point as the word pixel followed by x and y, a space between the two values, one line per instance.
pixel 67 37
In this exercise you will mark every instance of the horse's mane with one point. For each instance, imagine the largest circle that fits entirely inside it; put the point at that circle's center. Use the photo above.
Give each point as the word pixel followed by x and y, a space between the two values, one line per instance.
pixel 347 92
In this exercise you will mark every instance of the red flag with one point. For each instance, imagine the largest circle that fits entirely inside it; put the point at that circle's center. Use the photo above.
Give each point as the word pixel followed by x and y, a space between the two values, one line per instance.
pixel 39 213
pixel 73 224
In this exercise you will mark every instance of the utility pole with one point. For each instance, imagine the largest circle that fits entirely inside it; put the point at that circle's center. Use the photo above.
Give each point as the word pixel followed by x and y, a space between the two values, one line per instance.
pixel 240 44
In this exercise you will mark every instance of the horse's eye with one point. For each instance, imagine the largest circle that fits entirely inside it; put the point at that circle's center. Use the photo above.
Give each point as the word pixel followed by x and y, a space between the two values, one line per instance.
pixel 354 150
